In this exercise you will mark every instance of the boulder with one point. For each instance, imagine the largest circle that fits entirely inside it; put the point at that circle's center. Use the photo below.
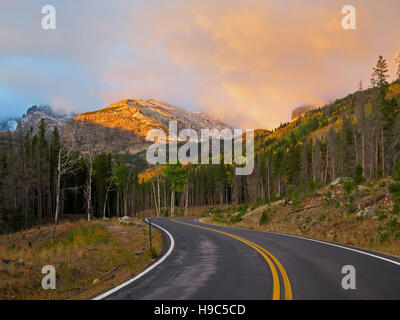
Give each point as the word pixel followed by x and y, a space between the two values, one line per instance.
pixel 362 189
pixel 340 180
pixel 367 212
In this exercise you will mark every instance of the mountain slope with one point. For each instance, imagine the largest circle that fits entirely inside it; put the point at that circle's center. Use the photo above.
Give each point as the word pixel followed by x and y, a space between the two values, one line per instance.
pixel 52 118
pixel 122 127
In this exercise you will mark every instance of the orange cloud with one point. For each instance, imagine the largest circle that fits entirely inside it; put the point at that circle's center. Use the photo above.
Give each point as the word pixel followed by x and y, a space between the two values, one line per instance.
pixel 249 62
pixel 255 61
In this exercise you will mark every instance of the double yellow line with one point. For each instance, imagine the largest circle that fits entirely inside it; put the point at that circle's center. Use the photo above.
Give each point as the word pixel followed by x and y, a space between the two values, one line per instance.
pixel 276 291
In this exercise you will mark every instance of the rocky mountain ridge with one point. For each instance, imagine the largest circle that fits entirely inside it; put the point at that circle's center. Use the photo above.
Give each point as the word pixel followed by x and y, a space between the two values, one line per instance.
pixel 52 118
pixel 122 127
pixel 118 128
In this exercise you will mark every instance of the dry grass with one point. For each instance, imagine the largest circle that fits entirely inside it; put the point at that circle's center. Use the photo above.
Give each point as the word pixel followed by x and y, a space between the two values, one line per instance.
pixel 329 221
pixel 82 252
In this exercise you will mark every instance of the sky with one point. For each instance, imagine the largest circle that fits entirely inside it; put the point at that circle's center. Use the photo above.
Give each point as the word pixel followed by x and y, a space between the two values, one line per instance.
pixel 248 62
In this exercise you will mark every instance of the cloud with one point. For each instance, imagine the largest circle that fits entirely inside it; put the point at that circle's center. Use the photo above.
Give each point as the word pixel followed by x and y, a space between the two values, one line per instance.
pixel 247 62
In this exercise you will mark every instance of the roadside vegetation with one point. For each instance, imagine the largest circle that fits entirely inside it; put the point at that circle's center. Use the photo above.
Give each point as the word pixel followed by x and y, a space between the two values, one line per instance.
pixel 89 258
pixel 363 214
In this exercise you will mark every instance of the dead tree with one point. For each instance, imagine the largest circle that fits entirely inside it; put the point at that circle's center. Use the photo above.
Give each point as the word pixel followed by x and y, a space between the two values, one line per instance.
pixel 66 163
pixel 89 159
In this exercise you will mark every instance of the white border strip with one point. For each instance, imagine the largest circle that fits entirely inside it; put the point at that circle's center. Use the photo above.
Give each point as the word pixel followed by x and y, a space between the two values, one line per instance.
pixel 314 240
pixel 106 294
pixel 338 246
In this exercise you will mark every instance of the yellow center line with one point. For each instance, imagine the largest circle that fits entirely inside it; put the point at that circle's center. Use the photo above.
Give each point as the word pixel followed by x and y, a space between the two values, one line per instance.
pixel 265 254
pixel 286 282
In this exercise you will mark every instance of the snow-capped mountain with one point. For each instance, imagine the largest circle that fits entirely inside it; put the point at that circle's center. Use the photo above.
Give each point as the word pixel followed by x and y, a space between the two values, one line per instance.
pixel 52 119
pixel 122 127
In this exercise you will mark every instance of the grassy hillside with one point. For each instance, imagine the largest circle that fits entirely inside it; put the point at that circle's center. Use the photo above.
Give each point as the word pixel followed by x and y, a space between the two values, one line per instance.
pixel 327 214
pixel 89 258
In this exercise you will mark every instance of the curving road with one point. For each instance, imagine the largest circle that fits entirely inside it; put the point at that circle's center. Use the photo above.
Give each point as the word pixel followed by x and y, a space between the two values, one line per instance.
pixel 213 262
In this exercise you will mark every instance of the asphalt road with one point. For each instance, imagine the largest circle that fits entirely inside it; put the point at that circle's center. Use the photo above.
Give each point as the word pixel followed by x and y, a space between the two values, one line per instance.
pixel 222 263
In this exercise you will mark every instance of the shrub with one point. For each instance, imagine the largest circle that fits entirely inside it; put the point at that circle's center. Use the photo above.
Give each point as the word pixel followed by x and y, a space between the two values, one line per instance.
pixel 394 188
pixel 379 172
pixel 348 187
pixel 358 174
pixel 154 253
pixel 328 197
pixel 237 218
pixel 312 185
pixel 265 218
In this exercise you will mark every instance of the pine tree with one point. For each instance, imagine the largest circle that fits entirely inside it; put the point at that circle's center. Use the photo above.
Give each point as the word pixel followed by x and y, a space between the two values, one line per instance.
pixel 380 73
pixel 358 174
pixel 394 188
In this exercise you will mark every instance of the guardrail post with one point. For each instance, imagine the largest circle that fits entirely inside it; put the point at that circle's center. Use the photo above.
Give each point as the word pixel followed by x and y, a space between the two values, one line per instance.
pixel 150 234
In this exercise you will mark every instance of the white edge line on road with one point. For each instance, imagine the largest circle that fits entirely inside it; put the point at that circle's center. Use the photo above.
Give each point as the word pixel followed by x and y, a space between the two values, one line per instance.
pixel 319 241
pixel 338 246
pixel 165 256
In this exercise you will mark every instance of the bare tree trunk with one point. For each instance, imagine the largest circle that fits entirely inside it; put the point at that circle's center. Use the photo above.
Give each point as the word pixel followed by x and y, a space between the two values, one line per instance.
pixel 155 198
pixel 88 186
pixel 326 164
pixel 125 195
pixel 158 193
pixel 383 151
pixel 187 198
pixel 342 151
pixel 118 203
pixel 88 191
pixel 371 167
pixel 173 201
pixel 363 147
pixel 355 144
pixel 58 194
pixel 262 188
pixel 268 179
pixel 182 201
pixel 105 200
pixel 165 199
pixel 89 198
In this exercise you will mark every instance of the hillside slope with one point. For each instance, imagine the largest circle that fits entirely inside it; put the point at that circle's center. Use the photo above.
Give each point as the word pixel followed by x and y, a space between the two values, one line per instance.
pixel 122 127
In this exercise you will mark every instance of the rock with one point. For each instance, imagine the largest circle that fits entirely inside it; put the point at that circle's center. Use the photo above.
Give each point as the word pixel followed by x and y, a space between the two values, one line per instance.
pixel 335 182
pixel 96 281
pixel 20 262
pixel 53 119
pixel 367 212
pixel 340 180
pixel 362 189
